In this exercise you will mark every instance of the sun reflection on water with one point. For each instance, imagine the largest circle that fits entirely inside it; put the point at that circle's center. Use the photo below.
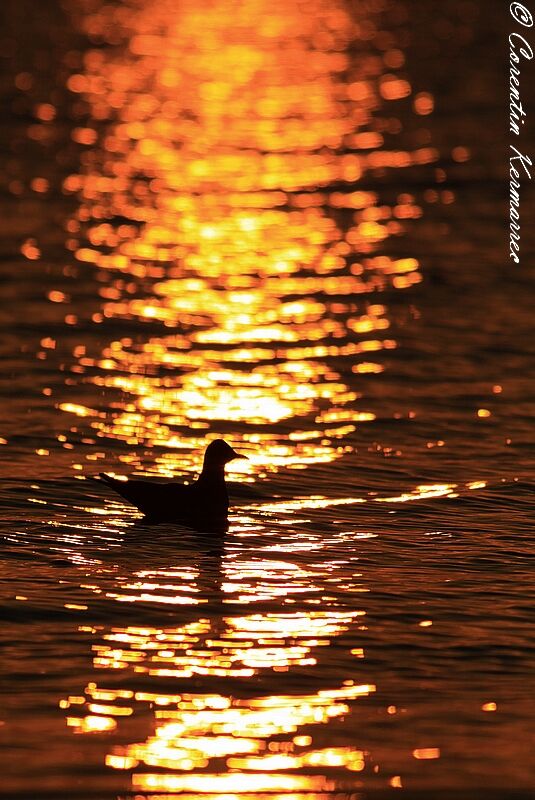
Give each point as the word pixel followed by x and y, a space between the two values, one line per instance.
pixel 219 200
pixel 201 739
pixel 191 731
pixel 225 210
pixel 180 705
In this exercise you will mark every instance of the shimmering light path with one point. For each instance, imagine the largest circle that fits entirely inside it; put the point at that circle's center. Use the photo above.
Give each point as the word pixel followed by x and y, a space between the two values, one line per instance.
pixel 221 203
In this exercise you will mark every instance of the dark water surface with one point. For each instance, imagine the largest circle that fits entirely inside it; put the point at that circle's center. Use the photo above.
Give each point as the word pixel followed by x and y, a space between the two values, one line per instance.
pixel 284 225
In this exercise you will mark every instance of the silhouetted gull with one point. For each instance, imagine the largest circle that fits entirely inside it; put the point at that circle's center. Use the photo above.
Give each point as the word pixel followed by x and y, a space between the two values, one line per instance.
pixel 203 505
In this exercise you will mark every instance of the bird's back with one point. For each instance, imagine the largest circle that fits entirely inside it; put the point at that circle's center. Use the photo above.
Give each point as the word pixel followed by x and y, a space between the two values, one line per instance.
pixel 153 499
pixel 203 504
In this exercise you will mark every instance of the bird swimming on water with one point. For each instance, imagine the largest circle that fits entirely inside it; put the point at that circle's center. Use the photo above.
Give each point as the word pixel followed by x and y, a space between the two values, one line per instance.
pixel 203 505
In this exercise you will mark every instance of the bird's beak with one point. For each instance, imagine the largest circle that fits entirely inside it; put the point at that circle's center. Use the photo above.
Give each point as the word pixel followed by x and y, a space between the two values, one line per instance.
pixel 239 455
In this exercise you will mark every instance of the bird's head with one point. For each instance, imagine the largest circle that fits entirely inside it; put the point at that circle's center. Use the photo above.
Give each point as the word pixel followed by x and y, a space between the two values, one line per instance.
pixel 218 453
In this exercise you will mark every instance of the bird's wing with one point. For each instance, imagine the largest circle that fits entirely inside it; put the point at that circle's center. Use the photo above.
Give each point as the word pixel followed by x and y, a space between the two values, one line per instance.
pixel 150 498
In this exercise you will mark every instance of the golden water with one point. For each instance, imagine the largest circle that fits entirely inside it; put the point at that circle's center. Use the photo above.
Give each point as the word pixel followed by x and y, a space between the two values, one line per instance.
pixel 224 226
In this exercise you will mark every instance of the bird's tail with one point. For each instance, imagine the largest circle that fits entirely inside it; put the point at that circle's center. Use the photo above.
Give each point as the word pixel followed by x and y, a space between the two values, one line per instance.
pixel 103 478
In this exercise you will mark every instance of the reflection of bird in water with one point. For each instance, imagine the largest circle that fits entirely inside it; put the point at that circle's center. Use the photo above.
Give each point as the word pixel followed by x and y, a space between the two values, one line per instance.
pixel 203 505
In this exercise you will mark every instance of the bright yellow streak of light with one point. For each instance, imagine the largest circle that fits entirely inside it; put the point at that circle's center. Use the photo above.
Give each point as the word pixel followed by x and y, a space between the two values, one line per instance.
pixel 328 757
pixel 299 504
pixel 78 410
pixel 92 724
pixel 225 783
pixel 424 492
pixel 424 753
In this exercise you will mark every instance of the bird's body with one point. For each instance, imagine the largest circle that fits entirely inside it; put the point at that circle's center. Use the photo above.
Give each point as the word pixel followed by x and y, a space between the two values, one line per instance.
pixel 203 505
